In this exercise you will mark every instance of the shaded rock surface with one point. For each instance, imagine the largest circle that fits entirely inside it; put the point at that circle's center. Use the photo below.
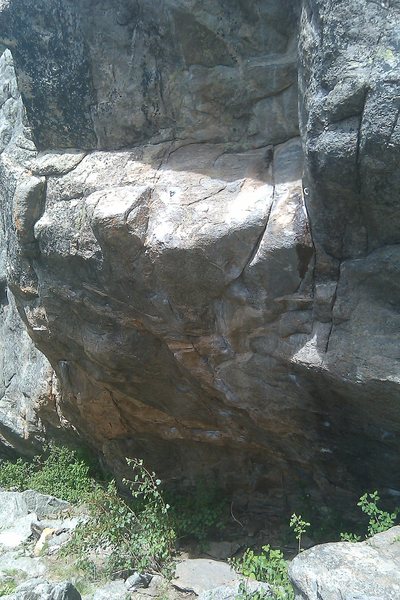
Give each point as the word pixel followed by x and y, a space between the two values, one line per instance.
pixel 40 589
pixel 200 304
pixel 367 570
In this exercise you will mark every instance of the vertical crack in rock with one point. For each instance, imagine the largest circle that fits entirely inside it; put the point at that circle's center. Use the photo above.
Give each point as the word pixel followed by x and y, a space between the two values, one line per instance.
pixel 334 298
pixel 358 149
pixel 310 231
pixel 260 238
pixel 393 127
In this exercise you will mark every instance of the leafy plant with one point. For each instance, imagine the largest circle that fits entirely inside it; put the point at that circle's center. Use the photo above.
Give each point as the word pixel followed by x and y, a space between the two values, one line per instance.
pixel 63 474
pixel 7 587
pixel 270 567
pixel 134 534
pixel 379 520
pixel 350 537
pixel 15 475
pixel 60 472
pixel 299 527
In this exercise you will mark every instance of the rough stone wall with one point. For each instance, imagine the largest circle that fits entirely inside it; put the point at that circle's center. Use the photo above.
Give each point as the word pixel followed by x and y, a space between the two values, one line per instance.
pixel 202 305
pixel 28 388
pixel 349 109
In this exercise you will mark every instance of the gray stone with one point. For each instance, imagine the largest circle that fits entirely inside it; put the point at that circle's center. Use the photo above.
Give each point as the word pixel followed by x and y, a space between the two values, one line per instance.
pixel 40 589
pixel 15 518
pixel 115 590
pixel 232 592
pixel 56 163
pixel 14 505
pixel 20 511
pixel 13 560
pixel 201 575
pixel 27 382
pixel 222 550
pixel 138 580
pixel 163 84
pixel 45 506
pixel 18 532
pixel 353 571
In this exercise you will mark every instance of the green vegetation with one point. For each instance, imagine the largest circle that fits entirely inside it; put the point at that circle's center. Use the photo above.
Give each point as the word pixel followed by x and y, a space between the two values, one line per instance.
pixel 59 472
pixel 7 587
pixel 134 530
pixel 299 527
pixel 63 474
pixel 379 520
pixel 138 529
pixel 133 533
pixel 350 537
pixel 268 566
pixel 15 475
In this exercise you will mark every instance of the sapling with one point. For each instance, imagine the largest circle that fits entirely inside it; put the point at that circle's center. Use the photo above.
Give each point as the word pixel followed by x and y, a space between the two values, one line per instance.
pixel 299 527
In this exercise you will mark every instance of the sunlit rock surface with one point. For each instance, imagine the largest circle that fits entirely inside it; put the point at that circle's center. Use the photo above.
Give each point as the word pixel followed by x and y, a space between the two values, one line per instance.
pixel 215 286
pixel 367 570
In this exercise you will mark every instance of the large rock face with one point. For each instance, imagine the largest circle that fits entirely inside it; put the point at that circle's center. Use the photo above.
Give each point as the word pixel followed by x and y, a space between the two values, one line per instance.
pixel 200 304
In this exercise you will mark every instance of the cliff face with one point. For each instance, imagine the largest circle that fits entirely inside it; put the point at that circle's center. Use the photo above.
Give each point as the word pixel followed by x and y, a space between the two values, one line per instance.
pixel 214 292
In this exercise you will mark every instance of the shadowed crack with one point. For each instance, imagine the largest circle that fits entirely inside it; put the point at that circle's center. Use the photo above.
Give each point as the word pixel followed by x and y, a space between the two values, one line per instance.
pixel 393 127
pixel 7 385
pixel 259 240
pixel 358 146
pixel 334 298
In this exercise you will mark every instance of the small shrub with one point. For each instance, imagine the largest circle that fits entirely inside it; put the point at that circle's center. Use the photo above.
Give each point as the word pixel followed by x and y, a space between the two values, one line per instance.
pixel 7 587
pixel 134 534
pixel 63 474
pixel 379 520
pixel 270 567
pixel 299 527
pixel 15 475
pixel 59 473
pixel 350 537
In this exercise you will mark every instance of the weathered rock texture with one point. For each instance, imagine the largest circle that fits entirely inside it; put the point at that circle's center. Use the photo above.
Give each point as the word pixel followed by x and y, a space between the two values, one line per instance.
pixel 197 307
pixel 366 570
